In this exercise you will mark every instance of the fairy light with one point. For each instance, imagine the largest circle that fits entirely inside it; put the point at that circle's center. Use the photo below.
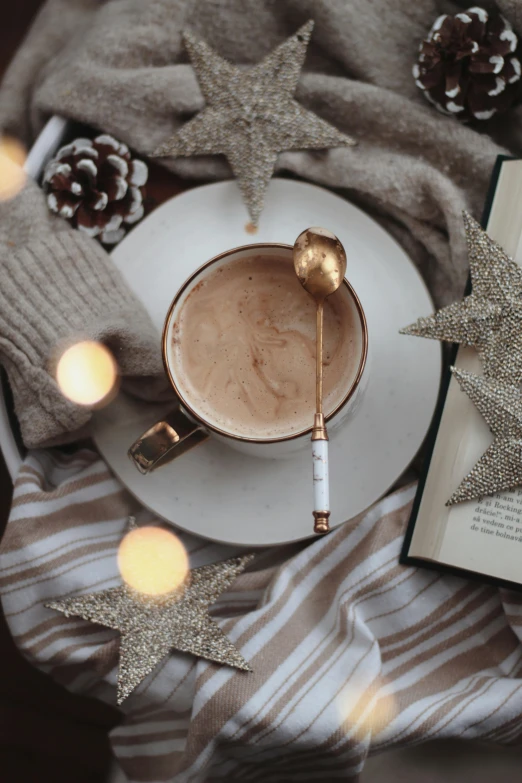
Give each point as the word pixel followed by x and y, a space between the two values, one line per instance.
pixel 87 373
pixel 152 561
pixel 364 711
pixel 12 174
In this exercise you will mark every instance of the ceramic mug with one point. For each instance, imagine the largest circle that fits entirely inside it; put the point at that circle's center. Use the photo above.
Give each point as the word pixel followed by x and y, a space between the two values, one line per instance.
pixel 186 427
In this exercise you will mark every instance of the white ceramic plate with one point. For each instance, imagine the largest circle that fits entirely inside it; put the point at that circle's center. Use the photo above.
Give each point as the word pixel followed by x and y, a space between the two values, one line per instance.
pixel 217 493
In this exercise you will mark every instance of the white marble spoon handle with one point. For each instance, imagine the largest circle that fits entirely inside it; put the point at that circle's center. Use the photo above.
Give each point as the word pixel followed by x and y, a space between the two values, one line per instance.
pixel 321 485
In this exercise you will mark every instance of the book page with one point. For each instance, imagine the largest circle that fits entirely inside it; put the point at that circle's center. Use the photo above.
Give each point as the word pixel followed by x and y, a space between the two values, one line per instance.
pixel 486 536
pixel 483 536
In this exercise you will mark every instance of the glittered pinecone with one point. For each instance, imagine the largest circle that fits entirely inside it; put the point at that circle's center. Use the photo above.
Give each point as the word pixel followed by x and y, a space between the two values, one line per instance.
pixel 97 187
pixel 467 65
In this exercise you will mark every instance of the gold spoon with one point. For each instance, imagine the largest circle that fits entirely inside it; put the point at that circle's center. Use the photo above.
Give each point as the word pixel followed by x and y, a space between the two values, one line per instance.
pixel 320 265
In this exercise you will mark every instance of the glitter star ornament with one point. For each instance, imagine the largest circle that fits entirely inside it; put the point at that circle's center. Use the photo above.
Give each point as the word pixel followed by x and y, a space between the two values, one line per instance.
pixel 490 319
pixel 152 626
pixel 251 115
pixel 500 467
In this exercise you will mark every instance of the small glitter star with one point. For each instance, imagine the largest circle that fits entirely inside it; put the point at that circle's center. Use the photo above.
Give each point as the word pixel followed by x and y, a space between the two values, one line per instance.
pixel 152 626
pixel 500 467
pixel 490 319
pixel 251 115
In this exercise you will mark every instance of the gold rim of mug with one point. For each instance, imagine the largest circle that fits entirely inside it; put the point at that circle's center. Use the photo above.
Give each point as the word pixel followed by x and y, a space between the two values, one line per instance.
pixel 207 425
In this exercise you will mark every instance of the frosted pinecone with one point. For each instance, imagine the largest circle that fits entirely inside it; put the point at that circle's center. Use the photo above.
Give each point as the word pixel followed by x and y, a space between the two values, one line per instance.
pixel 468 64
pixel 97 187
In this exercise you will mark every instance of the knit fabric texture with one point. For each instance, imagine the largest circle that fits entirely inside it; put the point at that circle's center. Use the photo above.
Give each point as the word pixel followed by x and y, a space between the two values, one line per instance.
pixel 59 287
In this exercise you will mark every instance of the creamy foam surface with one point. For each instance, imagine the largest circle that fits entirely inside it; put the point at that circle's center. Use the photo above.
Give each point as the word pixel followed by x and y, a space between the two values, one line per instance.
pixel 243 348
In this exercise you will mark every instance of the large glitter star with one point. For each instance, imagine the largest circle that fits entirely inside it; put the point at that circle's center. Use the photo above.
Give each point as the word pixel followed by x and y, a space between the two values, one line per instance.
pixel 251 115
pixel 490 319
pixel 150 627
pixel 500 467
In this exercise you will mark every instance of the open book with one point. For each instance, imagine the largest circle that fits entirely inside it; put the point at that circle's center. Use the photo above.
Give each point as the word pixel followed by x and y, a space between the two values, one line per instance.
pixel 481 537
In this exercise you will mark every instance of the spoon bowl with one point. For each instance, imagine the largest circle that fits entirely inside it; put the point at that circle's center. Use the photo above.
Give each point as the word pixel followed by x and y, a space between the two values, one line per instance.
pixel 319 262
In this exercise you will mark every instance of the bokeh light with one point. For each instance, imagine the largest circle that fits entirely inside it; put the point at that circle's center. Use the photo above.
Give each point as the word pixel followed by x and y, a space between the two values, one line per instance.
pixel 12 174
pixel 87 373
pixel 366 710
pixel 152 561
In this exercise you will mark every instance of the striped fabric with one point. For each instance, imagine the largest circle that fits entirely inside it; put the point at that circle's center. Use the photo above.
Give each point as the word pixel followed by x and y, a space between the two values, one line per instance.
pixel 352 653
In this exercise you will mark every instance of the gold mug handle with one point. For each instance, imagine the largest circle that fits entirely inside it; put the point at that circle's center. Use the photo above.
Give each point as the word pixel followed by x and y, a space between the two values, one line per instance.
pixel 167 439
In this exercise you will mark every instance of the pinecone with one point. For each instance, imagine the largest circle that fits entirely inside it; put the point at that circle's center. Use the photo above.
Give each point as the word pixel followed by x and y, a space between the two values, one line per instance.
pixel 96 186
pixel 467 65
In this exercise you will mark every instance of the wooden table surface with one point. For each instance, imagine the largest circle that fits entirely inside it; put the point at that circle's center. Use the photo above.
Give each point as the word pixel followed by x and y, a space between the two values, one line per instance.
pixel 48 735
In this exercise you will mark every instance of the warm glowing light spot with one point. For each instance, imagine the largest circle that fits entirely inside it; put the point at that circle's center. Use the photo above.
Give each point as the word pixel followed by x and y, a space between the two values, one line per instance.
pixel 365 711
pixel 87 373
pixel 152 561
pixel 12 174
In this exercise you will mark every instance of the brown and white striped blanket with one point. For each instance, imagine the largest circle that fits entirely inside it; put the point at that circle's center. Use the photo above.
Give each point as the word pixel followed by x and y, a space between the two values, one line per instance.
pixel 352 653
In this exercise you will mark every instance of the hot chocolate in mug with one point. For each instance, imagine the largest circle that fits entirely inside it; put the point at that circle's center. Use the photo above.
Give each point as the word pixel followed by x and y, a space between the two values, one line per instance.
pixel 238 347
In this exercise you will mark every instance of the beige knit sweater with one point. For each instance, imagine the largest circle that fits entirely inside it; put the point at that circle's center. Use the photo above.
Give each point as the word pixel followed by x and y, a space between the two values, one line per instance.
pixel 120 66
pixel 58 287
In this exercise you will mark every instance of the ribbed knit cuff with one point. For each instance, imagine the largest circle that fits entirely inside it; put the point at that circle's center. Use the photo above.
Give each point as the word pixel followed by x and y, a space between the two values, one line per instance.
pixel 56 291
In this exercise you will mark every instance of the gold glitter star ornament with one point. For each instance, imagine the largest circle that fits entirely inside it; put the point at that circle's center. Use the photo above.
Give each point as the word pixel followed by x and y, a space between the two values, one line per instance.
pixel 251 115
pixel 152 626
pixel 490 319
pixel 500 467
